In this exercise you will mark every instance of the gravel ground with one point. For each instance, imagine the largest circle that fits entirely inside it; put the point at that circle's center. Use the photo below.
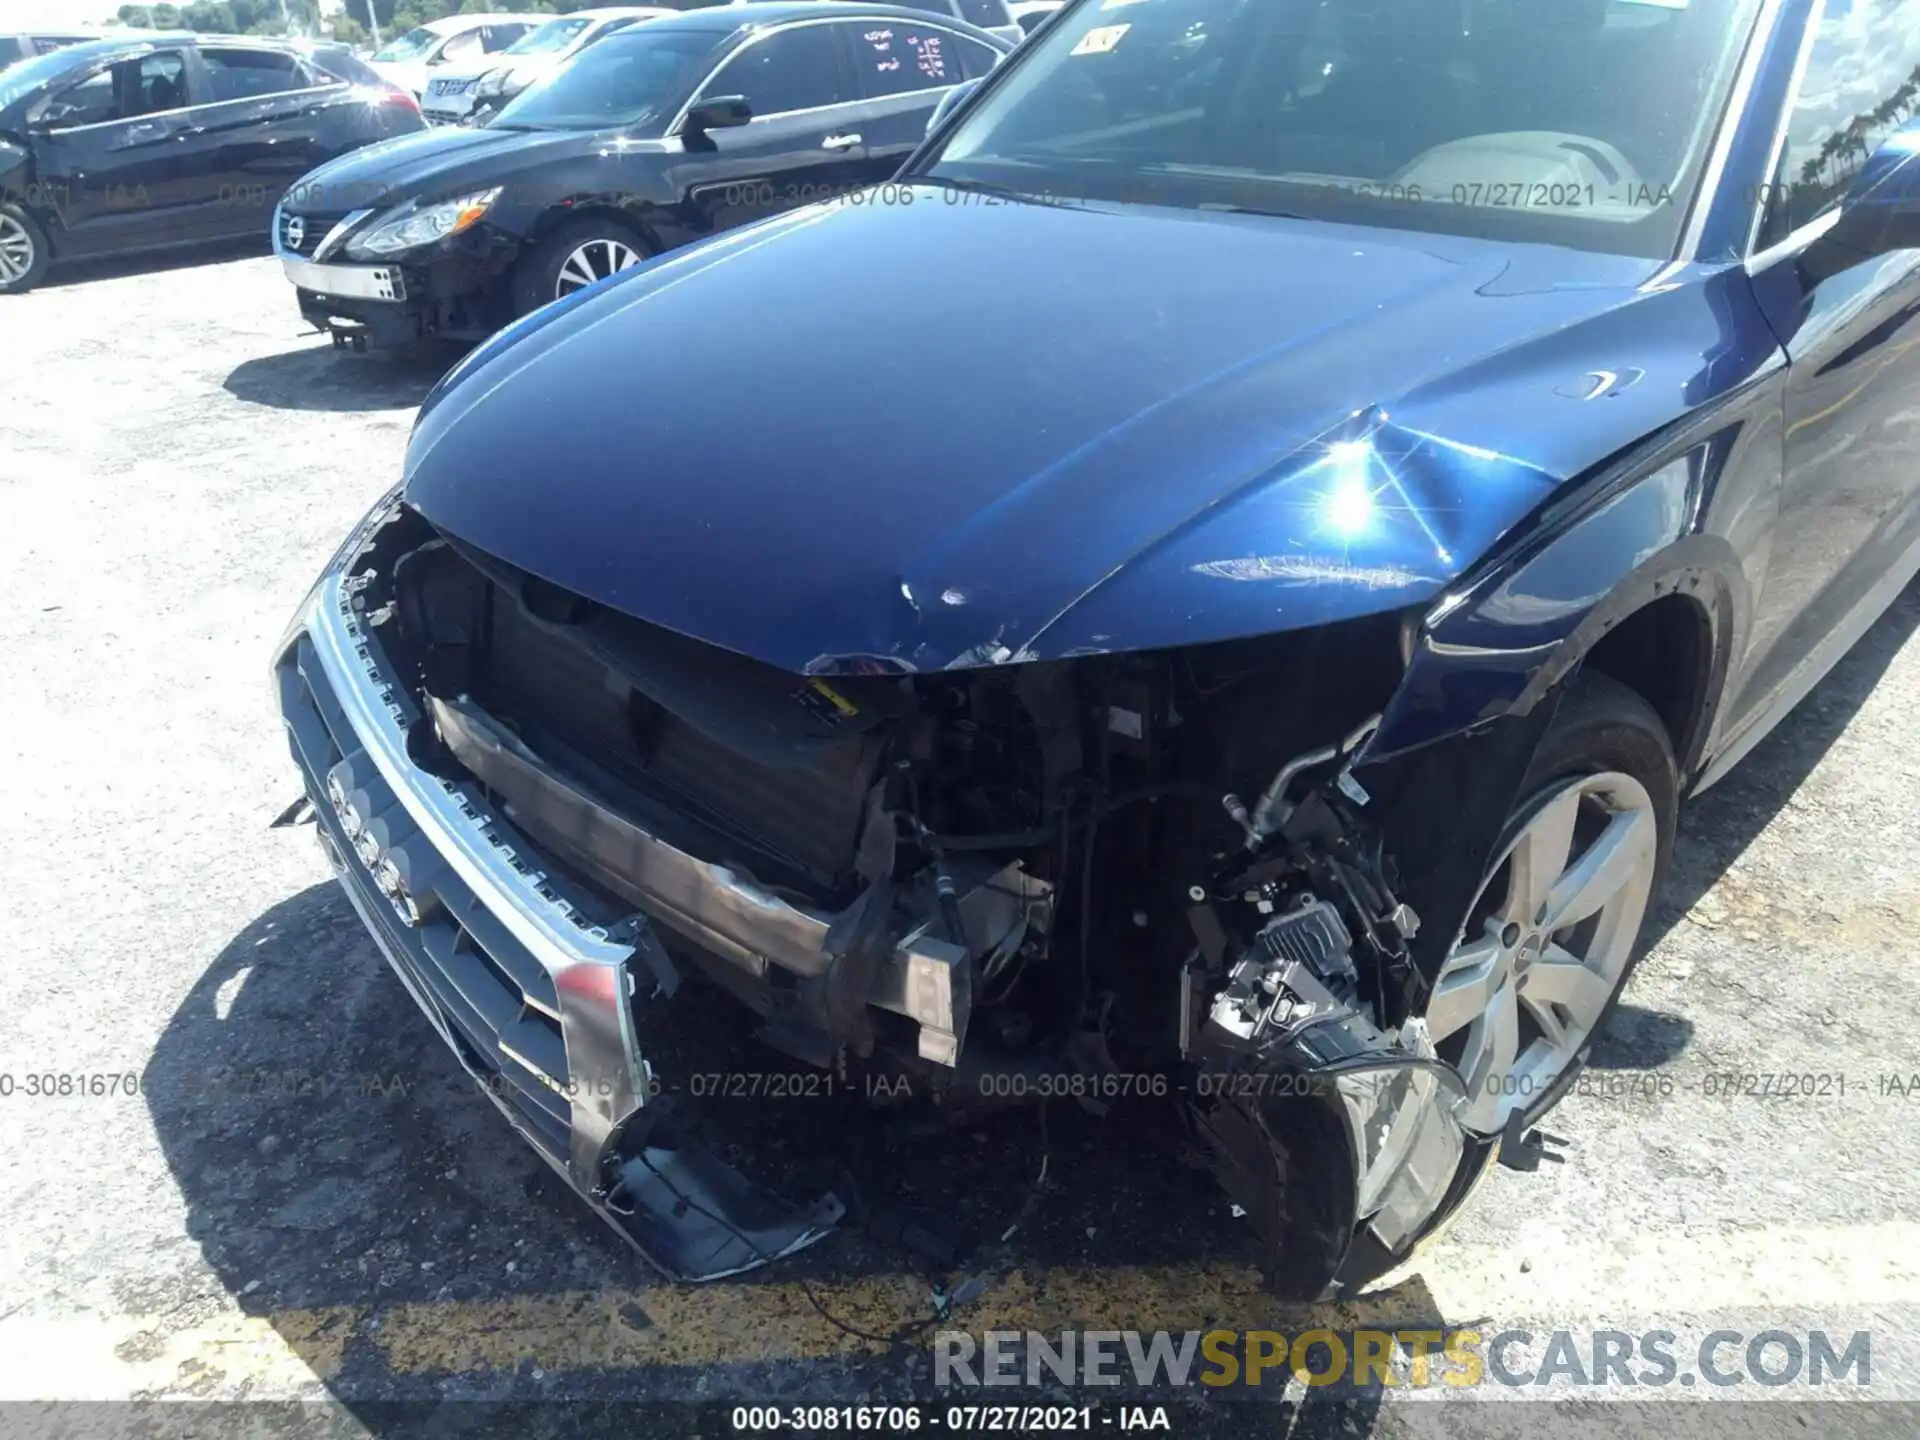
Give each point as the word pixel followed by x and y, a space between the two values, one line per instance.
pixel 177 460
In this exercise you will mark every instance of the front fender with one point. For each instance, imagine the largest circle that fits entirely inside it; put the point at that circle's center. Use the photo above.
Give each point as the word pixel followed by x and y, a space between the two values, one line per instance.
pixel 1649 528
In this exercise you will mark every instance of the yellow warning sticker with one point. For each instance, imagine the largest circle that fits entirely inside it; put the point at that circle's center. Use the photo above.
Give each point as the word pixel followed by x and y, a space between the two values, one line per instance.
pixel 1101 40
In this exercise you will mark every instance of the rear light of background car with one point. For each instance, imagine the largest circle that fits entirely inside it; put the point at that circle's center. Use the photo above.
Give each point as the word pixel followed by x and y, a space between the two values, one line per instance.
pixel 404 99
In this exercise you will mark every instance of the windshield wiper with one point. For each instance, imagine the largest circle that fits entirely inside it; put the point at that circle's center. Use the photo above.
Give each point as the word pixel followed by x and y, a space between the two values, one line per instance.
pixel 1221 207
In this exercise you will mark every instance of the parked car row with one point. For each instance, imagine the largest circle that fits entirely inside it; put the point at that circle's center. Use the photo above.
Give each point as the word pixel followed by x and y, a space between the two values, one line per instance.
pixel 658 135
pixel 1211 584
pixel 410 60
pixel 150 141
pixel 443 62
pixel 153 140
pixel 473 90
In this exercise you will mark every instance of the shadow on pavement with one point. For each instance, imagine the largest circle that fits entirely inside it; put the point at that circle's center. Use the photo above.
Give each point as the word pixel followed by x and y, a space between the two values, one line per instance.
pixel 346 1182
pixel 322 377
pixel 115 267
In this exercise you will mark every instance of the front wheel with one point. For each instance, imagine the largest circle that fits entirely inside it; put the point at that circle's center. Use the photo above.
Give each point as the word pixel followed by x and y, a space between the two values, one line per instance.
pixel 23 251
pixel 579 253
pixel 1554 931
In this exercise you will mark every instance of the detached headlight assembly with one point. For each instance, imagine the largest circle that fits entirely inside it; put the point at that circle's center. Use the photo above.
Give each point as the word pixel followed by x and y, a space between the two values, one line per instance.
pixel 409 226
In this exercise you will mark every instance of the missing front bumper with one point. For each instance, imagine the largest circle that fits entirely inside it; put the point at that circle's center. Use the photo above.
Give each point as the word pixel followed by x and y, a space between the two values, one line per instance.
pixel 528 982
pixel 725 914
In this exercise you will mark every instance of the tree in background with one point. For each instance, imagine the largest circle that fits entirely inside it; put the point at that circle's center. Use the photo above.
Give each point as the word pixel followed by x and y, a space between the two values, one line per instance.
pixel 303 17
pixel 399 16
pixel 229 17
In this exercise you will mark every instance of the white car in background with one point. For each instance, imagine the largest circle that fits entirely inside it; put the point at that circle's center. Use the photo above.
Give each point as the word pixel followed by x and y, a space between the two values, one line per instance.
pixel 412 59
pixel 487 82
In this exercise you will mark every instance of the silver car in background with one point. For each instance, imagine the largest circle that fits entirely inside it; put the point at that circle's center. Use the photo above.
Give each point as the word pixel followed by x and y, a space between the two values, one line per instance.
pixel 458 92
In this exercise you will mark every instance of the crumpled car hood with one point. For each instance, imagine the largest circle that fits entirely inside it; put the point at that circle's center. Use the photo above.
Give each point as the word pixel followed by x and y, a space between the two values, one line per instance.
pixel 961 431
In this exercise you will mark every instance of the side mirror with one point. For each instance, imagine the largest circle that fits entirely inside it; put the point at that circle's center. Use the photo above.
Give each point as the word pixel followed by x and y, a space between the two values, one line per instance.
pixel 1880 212
pixel 950 102
pixel 722 112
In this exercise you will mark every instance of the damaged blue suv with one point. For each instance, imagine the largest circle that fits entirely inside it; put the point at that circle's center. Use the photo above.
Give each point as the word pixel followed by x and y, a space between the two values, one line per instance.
pixel 1222 571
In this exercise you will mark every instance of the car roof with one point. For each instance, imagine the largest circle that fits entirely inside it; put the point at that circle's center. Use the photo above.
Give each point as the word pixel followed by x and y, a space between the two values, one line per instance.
pixel 134 40
pixel 729 18
pixel 129 42
pixel 614 12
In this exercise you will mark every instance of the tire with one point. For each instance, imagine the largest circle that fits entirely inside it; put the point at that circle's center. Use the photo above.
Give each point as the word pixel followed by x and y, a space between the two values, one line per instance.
pixel 1603 728
pixel 544 274
pixel 1603 725
pixel 23 251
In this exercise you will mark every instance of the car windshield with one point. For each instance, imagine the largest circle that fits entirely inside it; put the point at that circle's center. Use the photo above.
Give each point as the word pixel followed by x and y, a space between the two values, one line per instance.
pixel 410 46
pixel 1578 122
pixel 632 79
pixel 553 36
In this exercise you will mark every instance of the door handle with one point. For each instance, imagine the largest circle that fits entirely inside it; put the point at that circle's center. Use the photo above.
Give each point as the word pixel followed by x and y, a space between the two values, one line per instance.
pixel 840 142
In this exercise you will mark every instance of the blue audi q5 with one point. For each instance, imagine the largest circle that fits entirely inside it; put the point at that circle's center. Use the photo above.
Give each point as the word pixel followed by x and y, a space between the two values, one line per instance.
pixel 1207 591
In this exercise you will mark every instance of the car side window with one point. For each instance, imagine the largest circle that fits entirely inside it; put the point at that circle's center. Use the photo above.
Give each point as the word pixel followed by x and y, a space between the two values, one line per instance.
pixel 246 74
pixel 463 46
pixel 91 102
pixel 794 69
pixel 1862 83
pixel 893 58
pixel 121 92
pixel 160 83
pixel 495 38
pixel 975 59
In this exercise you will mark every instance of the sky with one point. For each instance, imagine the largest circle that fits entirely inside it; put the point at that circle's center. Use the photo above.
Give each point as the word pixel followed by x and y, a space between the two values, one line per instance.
pixel 18 15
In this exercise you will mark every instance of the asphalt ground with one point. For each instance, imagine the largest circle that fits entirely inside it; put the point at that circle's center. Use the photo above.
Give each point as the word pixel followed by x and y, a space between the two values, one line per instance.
pixel 285 1191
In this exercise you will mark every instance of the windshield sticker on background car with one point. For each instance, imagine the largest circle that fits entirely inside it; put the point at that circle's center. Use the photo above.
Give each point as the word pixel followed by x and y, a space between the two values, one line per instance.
pixel 1100 41
pixel 825 703
pixel 929 57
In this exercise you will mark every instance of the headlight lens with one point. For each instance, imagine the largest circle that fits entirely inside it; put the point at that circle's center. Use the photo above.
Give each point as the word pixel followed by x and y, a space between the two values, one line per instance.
pixel 491 83
pixel 412 225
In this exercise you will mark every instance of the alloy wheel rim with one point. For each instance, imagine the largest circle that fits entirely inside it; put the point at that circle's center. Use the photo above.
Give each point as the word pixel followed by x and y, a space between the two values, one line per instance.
pixel 16 250
pixel 1546 943
pixel 592 262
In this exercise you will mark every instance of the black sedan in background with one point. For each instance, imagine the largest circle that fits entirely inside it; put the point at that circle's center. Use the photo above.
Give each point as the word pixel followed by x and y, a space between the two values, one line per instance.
pixel 654 137
pixel 158 140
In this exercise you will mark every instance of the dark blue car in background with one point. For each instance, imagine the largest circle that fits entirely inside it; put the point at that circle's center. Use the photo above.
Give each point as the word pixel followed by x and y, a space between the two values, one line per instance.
pixel 1211 585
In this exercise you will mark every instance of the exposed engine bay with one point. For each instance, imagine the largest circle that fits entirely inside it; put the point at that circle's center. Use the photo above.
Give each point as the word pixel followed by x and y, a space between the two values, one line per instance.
pixel 1109 866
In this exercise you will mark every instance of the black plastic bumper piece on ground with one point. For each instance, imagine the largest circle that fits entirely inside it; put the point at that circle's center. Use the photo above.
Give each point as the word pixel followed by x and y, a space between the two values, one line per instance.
pixel 694 1215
